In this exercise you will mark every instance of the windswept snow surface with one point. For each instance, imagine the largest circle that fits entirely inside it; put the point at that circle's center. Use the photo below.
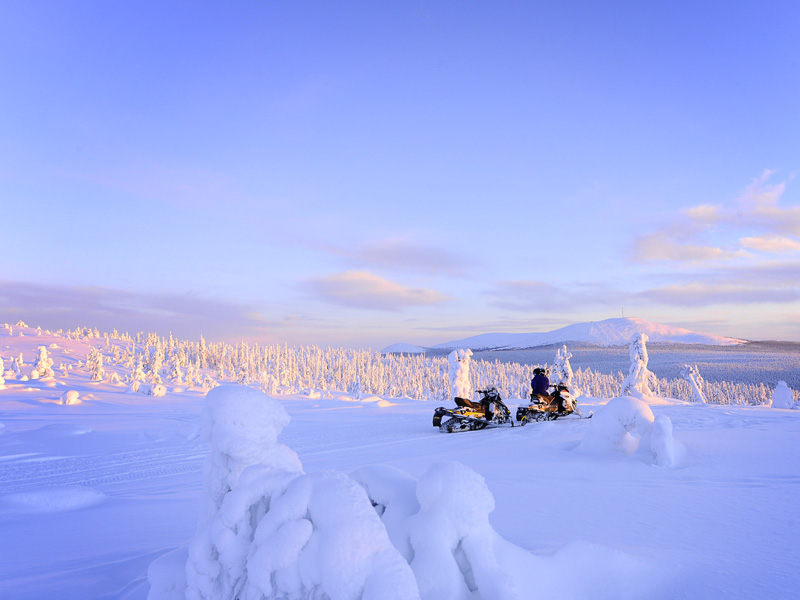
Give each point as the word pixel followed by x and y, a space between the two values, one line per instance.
pixel 92 494
pixel 611 332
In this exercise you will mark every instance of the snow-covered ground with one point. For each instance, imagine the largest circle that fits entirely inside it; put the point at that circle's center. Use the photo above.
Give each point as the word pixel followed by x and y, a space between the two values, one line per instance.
pixel 92 493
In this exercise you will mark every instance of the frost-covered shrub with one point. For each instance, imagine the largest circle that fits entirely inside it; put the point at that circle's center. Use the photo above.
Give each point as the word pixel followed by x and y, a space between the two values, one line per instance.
pixel 460 385
pixel 782 397
pixel 691 374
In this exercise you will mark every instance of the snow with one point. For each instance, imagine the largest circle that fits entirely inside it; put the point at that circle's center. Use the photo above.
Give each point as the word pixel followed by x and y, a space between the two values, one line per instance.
pixel 104 499
pixel 610 332
pixel 51 499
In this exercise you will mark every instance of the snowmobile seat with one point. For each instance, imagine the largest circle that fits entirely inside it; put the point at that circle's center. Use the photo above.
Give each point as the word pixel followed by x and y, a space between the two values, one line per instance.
pixel 469 403
pixel 483 405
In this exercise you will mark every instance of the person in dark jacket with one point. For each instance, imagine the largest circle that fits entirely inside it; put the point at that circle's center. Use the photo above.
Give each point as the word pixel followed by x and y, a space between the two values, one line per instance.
pixel 540 382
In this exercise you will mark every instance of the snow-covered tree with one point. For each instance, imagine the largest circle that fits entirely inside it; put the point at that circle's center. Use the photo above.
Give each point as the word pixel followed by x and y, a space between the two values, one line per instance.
pixel 639 378
pixel 16 366
pixel 156 363
pixel 44 364
pixel 691 374
pixel 94 362
pixel 562 370
pixel 174 370
pixel 460 385
pixel 782 397
pixel 138 374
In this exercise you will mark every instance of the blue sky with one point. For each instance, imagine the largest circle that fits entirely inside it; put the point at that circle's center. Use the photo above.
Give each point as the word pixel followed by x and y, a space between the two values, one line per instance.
pixel 363 173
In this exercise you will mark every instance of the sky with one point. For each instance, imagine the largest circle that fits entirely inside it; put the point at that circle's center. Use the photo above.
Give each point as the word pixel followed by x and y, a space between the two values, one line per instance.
pixel 365 173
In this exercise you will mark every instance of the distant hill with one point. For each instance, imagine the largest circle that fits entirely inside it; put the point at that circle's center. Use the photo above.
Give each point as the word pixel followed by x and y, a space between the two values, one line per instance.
pixel 403 349
pixel 611 332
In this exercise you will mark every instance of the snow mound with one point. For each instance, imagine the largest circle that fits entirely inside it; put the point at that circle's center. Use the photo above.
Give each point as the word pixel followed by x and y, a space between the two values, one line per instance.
pixel 626 425
pixel 440 524
pixel 167 575
pixel 52 499
pixel 71 397
pixel 394 495
pixel 157 389
pixel 454 543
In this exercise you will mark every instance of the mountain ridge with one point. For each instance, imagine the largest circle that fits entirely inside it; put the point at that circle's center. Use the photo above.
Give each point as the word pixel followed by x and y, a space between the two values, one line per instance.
pixel 609 332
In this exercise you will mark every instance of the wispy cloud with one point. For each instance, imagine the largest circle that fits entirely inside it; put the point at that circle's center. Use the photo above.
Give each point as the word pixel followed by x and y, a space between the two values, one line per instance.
pixel 665 246
pixel 531 296
pixel 731 284
pixel 402 254
pixel 756 221
pixel 772 244
pixel 185 315
pixel 707 294
pixel 362 289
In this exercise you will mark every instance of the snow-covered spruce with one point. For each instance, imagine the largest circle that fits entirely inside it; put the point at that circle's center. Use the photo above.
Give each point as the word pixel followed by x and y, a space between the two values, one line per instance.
pixel 562 370
pixel 460 385
pixel 691 374
pixel 639 378
pixel 44 364
pixel 94 362
pixel 782 397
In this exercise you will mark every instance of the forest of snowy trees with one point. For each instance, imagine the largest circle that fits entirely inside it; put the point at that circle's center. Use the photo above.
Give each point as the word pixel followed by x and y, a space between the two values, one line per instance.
pixel 152 360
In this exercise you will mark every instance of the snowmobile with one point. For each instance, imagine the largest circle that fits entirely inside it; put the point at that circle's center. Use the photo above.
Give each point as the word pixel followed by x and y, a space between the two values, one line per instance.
pixel 551 407
pixel 489 411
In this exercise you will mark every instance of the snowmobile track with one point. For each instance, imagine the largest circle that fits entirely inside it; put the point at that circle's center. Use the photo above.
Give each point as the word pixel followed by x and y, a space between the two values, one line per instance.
pixel 99 470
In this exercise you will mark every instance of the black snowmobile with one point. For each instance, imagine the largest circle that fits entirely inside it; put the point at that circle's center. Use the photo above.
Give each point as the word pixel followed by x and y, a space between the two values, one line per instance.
pixel 489 411
pixel 550 407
